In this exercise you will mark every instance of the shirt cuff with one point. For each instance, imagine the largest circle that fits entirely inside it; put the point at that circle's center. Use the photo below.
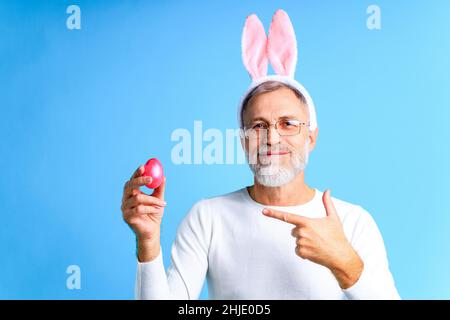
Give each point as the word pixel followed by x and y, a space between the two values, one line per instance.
pixel 362 289
pixel 151 280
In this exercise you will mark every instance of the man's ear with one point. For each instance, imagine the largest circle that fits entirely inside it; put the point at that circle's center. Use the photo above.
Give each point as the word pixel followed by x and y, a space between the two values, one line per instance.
pixel 312 136
pixel 242 138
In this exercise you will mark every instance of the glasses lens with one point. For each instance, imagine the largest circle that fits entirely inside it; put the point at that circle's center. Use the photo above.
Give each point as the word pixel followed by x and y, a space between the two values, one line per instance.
pixel 256 130
pixel 252 133
pixel 288 127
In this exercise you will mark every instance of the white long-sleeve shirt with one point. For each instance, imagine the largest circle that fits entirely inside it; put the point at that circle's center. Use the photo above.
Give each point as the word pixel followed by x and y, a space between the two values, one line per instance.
pixel 246 255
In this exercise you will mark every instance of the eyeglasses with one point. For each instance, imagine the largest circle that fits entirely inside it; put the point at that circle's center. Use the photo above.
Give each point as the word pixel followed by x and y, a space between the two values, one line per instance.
pixel 284 127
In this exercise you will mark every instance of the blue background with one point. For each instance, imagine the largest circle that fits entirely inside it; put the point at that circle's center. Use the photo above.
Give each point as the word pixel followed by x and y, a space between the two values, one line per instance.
pixel 81 109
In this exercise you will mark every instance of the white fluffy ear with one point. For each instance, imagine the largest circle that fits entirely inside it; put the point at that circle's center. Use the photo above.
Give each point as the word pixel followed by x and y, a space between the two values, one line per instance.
pixel 254 47
pixel 282 45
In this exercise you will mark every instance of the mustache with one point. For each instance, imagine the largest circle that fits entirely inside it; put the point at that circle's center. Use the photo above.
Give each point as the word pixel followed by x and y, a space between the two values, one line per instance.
pixel 264 150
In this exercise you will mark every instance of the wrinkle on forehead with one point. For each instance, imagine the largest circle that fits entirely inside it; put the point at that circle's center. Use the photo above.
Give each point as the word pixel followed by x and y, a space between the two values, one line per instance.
pixel 274 105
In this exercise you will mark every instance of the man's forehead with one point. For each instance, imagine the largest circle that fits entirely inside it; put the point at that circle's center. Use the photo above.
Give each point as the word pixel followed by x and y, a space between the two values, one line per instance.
pixel 276 112
pixel 271 106
pixel 273 116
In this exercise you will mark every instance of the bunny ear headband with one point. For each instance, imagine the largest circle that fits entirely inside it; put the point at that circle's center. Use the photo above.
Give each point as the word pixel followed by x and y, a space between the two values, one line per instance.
pixel 280 48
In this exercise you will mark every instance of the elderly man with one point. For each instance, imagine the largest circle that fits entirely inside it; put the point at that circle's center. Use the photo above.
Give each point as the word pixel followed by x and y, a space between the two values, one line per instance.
pixel 276 239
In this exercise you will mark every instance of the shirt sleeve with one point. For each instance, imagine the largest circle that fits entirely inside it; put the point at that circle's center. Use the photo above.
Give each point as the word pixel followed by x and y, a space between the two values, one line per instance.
pixel 189 261
pixel 376 281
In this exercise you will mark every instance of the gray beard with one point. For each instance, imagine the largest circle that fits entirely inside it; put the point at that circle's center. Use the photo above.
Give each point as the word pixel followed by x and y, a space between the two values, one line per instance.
pixel 276 175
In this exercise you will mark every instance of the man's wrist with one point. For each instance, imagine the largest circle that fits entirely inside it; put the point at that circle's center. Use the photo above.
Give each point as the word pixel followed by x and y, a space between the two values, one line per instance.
pixel 148 249
pixel 349 270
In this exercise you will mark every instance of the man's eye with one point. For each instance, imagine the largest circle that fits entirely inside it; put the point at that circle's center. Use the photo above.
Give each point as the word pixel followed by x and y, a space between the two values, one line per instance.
pixel 258 126
pixel 289 123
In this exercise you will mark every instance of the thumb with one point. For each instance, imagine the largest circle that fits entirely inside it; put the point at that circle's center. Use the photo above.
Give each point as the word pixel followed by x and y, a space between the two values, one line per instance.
pixel 329 206
pixel 159 192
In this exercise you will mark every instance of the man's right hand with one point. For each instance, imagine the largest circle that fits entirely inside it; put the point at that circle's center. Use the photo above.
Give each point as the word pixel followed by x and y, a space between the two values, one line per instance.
pixel 143 213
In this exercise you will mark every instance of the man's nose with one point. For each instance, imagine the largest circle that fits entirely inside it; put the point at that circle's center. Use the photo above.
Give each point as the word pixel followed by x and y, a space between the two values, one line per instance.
pixel 273 137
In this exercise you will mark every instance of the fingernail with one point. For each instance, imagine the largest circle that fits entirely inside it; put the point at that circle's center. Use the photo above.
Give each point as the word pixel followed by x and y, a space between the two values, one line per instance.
pixel 265 211
pixel 164 203
pixel 148 179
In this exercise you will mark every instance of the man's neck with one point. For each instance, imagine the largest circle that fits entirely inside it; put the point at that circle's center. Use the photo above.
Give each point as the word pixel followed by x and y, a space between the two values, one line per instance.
pixel 294 193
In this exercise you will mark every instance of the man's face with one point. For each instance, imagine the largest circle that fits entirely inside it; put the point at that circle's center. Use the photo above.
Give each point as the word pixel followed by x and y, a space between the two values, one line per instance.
pixel 276 160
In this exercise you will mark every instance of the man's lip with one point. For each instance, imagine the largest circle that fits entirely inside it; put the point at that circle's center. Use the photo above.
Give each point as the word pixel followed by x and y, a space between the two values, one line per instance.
pixel 269 153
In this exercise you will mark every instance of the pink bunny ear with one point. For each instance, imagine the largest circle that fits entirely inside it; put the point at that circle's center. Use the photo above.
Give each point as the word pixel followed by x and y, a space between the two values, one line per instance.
pixel 282 45
pixel 254 47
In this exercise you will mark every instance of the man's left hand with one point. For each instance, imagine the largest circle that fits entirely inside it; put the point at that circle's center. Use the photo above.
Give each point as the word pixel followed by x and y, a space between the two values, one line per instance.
pixel 323 241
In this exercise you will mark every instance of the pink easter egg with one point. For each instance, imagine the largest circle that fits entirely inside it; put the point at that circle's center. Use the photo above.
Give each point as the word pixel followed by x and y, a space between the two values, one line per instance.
pixel 154 169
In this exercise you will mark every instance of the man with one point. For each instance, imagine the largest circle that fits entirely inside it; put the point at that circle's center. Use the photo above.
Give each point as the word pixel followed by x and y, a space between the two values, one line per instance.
pixel 276 239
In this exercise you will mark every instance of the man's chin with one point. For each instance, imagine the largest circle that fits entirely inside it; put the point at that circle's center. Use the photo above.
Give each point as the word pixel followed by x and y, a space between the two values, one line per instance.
pixel 271 170
pixel 273 175
pixel 273 181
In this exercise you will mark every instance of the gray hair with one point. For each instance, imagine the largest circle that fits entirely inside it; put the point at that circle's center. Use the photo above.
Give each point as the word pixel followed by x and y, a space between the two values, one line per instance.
pixel 266 87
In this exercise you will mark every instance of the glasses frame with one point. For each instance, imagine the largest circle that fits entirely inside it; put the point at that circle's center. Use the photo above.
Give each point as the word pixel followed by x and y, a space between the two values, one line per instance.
pixel 275 125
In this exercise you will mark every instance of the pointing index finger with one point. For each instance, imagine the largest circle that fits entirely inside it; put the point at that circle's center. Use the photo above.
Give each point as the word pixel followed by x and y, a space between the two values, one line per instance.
pixel 285 216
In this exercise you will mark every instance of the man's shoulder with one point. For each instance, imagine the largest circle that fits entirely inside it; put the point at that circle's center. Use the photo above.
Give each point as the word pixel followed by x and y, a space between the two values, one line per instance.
pixel 359 224
pixel 205 210
pixel 226 199
pixel 338 202
pixel 351 211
